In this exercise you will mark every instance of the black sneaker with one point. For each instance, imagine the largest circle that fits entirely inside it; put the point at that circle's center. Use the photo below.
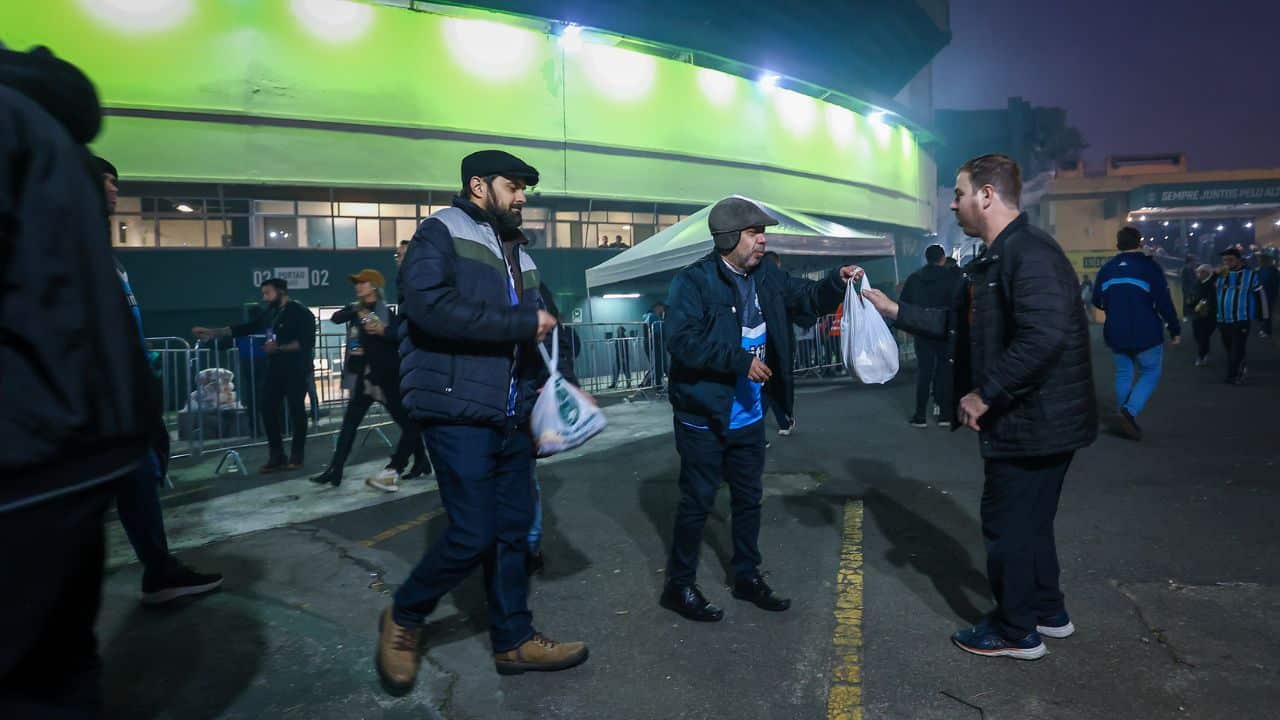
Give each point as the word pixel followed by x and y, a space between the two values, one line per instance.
pixel 175 582
pixel 918 422
pixel 417 472
pixel 331 476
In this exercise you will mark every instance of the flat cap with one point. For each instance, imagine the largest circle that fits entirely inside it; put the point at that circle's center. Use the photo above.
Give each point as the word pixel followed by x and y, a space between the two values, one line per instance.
pixel 734 214
pixel 497 162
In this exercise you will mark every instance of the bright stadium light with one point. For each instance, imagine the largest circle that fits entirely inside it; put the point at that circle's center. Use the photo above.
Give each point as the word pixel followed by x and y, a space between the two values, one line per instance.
pixel 1195 226
pixel 1221 228
pixel 1249 224
pixel 571 37
pixel 621 296
pixel 337 21
pixel 877 117
pixel 768 81
pixel 184 208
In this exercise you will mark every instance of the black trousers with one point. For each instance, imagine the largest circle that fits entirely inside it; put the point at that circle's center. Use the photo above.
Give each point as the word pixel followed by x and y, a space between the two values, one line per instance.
pixel 708 458
pixel 1203 329
pixel 285 387
pixel 933 377
pixel 1019 504
pixel 410 435
pixel 1235 338
pixel 51 572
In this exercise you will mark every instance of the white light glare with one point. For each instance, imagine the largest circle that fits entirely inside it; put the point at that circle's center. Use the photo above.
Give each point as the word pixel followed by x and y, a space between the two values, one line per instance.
pixel 1248 224
pixel 877 117
pixel 571 37
pixel 184 208
pixel 1221 228
pixel 1195 225
pixel 1165 223
pixel 621 296
pixel 1142 218
pixel 768 81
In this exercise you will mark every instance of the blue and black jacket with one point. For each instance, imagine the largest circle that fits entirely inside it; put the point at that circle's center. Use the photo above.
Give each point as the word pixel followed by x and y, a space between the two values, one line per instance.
pixel 467 346
pixel 1133 291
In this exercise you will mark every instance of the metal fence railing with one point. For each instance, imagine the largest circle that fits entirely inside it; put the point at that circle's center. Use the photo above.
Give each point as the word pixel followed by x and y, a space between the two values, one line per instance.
pixel 213 390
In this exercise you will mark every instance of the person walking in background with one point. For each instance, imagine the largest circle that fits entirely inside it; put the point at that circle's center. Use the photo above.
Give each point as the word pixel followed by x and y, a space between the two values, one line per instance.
pixel 371 373
pixel 164 577
pixel 1204 312
pixel 1086 296
pixel 291 336
pixel 1188 280
pixel 932 286
pixel 1269 278
pixel 1240 301
pixel 655 347
pixel 1132 290
pixel 1021 346
pixel 621 357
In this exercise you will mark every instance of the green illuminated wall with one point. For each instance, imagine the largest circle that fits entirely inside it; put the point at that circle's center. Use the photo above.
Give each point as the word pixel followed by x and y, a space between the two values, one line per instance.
pixel 393 98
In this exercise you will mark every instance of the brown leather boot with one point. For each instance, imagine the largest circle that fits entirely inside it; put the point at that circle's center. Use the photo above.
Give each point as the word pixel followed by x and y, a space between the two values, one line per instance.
pixel 540 653
pixel 397 658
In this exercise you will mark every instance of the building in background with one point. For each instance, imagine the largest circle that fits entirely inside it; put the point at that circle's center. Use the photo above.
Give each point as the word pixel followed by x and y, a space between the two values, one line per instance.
pixel 305 138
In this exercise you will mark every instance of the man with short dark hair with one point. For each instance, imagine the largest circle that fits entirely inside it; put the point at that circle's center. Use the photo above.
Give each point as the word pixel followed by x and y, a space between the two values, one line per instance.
pixel 291 335
pixel 1021 346
pixel 475 310
pixel 1241 300
pixel 726 330
pixel 932 286
pixel 1132 290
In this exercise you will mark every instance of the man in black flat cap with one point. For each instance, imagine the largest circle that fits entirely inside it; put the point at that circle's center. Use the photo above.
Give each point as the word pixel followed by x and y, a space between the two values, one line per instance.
pixel 474 311
pixel 720 312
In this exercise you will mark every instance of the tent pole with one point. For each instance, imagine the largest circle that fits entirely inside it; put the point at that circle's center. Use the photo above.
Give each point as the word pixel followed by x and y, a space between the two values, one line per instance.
pixel 897 277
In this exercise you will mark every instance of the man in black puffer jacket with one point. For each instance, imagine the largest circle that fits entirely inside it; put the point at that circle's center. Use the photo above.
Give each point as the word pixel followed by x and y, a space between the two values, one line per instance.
pixel 1023 367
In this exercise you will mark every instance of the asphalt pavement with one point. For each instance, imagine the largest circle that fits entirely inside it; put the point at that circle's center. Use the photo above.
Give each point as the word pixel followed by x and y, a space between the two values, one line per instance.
pixel 1169 562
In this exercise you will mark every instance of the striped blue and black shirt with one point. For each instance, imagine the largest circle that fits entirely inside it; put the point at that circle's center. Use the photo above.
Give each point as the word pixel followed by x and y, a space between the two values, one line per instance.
pixel 1238 296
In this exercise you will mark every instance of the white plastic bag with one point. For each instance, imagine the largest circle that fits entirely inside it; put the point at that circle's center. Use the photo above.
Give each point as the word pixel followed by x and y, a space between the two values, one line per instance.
pixel 563 417
pixel 866 344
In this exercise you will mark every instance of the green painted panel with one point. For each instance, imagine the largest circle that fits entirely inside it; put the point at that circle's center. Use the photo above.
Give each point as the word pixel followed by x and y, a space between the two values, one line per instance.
pixel 600 122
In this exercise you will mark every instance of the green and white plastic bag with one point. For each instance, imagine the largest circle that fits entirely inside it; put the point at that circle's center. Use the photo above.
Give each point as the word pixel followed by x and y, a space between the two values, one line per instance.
pixel 563 417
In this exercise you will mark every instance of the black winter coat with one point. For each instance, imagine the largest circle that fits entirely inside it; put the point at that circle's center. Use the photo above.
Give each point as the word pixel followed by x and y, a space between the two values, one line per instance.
pixel 1021 341
pixel 704 336
pixel 77 400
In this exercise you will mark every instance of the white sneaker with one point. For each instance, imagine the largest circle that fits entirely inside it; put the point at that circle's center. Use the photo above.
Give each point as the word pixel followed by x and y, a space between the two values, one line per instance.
pixel 786 431
pixel 386 480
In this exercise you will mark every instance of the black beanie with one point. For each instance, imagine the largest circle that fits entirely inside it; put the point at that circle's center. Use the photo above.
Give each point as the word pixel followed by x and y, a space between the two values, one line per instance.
pixel 103 166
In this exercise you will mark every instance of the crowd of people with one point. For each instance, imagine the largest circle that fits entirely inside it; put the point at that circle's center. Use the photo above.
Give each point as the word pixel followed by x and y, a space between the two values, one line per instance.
pixel 1003 344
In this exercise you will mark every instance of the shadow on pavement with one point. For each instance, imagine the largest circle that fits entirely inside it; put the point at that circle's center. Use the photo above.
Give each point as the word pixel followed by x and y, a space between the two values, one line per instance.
pixel 659 496
pixel 184 661
pixel 922 526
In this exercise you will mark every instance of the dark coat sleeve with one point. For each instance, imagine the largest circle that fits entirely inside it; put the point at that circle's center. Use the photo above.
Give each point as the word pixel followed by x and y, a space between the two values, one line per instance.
pixel 1042 308
pixel 1164 303
pixel 434 305
pixel 810 298
pixel 685 333
pixel 565 334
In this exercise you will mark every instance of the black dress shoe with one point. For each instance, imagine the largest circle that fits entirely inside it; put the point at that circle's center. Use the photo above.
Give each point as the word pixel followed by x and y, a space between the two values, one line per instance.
pixel 330 476
pixel 689 602
pixel 417 472
pixel 533 564
pixel 757 591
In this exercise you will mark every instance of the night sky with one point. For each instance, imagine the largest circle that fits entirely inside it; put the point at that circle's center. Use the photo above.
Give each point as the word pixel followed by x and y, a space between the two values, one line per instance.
pixel 1135 76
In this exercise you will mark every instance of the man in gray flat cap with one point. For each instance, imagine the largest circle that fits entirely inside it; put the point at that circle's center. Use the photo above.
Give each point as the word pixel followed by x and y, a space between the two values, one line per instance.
pixel 723 357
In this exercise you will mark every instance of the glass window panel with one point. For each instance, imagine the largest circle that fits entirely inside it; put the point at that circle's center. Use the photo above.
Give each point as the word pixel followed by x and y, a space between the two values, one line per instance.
pixel 368 233
pixel 273 207
pixel 281 232
pixel 405 230
pixel 668 219
pixel 313 208
pixel 597 216
pixel 132 231
pixel 397 210
pixel 535 213
pixel 614 236
pixel 344 231
pixel 387 231
pixel 128 205
pixel 316 232
pixel 640 233
pixel 560 215
pixel 181 233
pixel 436 208
pixel 358 209
pixel 620 217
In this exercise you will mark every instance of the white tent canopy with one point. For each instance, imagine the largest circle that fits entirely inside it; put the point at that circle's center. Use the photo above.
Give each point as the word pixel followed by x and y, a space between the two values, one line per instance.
pixel 690 239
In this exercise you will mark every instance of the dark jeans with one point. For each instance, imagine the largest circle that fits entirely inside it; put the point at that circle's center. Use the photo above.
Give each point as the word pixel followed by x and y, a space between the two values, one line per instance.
pixel 621 366
pixel 1203 329
pixel 933 374
pixel 1019 503
pixel 706 459
pixel 285 388
pixel 1235 338
pixel 485 476
pixel 138 503
pixel 410 437
pixel 1266 321
pixel 54 553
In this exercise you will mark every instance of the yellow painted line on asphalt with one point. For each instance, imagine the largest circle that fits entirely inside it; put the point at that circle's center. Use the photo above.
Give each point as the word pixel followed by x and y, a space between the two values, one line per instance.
pixel 844 697
pixel 389 533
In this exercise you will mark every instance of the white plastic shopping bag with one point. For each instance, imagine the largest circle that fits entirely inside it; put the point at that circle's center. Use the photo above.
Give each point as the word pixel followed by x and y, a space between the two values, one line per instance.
pixel 866 344
pixel 563 417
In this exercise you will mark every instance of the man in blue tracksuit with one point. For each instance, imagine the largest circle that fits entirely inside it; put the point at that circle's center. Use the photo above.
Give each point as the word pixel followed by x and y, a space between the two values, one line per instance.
pixel 474 310
pixel 726 331
pixel 1133 291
